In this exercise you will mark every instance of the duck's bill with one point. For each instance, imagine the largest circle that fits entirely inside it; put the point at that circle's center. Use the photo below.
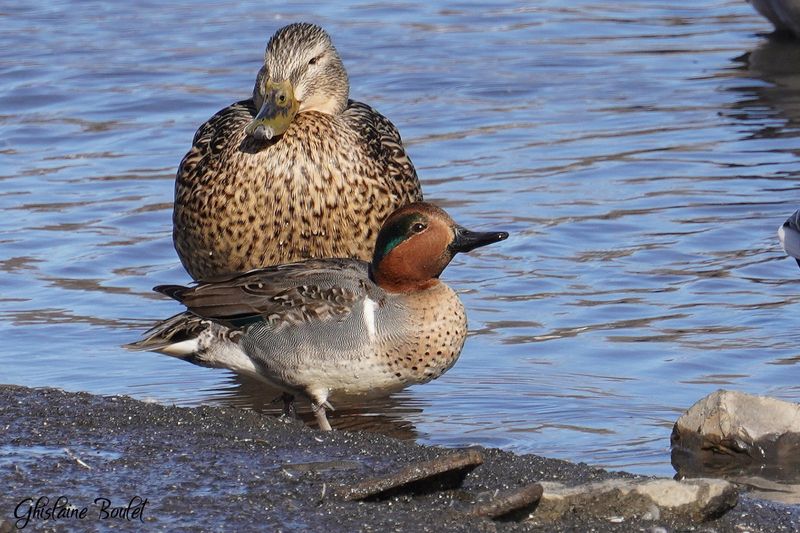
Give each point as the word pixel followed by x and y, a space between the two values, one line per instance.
pixel 789 234
pixel 276 113
pixel 466 240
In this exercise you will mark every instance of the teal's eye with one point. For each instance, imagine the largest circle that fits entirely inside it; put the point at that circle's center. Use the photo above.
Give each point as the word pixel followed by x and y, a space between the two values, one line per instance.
pixel 418 227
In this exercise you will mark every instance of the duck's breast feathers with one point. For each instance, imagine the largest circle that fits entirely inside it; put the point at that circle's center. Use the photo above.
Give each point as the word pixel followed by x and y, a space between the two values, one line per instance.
pixel 293 294
pixel 362 141
pixel 383 143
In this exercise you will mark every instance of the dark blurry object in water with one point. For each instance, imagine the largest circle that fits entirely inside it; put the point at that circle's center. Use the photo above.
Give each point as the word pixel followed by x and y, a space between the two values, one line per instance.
pixel 773 61
pixel 784 14
pixel 789 234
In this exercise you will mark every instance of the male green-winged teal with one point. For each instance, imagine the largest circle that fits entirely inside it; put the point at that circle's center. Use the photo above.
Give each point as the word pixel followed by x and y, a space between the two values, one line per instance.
pixel 333 328
pixel 295 172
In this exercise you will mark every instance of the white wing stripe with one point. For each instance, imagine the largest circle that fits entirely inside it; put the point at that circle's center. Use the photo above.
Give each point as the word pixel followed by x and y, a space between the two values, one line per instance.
pixel 369 318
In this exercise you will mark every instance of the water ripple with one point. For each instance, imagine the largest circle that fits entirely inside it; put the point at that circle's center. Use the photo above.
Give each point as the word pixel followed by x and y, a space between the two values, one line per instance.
pixel 642 159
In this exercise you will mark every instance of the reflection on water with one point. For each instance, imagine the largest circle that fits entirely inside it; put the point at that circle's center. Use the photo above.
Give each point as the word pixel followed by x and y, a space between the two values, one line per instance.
pixel 385 415
pixel 777 480
pixel 773 63
pixel 642 159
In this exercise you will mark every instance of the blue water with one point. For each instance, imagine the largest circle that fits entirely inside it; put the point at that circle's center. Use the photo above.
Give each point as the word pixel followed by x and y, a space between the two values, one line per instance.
pixel 641 156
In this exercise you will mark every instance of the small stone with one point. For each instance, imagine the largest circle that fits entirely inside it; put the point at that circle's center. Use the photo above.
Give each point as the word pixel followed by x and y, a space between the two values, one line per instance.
pixel 652 513
pixel 512 504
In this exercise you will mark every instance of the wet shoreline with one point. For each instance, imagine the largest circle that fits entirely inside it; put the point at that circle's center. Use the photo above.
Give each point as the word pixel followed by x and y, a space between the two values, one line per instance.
pixel 226 468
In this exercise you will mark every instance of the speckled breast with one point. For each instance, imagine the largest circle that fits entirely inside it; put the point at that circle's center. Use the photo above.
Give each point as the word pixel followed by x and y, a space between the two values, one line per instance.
pixel 421 348
pixel 316 192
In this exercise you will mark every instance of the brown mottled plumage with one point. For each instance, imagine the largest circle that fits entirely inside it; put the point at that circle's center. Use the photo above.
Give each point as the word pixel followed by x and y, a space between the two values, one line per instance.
pixel 322 188
pixel 333 328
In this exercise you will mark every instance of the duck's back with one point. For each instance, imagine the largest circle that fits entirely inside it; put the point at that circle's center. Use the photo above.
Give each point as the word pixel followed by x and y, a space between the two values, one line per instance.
pixel 322 189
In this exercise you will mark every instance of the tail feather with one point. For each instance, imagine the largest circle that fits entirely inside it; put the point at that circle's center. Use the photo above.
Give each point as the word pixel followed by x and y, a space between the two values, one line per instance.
pixel 175 336
pixel 173 291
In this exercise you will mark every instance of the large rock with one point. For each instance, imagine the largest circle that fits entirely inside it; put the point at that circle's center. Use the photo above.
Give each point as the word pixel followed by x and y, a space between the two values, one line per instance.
pixel 750 440
pixel 619 500
pixel 737 429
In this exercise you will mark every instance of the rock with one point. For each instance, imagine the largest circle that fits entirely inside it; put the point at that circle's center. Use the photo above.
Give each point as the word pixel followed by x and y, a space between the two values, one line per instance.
pixel 445 472
pixel 511 504
pixel 620 500
pixel 728 431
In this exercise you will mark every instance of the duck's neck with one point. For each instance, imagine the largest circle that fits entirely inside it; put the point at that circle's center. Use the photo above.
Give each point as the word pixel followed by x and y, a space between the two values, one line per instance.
pixel 385 279
pixel 323 103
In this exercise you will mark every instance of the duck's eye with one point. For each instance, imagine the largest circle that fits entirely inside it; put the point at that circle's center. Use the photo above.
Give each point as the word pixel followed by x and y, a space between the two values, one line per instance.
pixel 418 227
pixel 314 60
pixel 282 98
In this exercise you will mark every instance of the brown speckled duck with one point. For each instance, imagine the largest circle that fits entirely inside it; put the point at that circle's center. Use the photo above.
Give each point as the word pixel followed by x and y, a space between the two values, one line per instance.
pixel 329 329
pixel 295 172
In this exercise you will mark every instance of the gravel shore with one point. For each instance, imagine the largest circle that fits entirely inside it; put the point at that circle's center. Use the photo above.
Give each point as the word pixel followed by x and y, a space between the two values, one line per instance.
pixel 136 465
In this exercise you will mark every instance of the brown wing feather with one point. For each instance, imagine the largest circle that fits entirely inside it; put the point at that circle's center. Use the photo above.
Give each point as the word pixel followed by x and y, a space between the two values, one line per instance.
pixel 385 145
pixel 212 138
pixel 294 293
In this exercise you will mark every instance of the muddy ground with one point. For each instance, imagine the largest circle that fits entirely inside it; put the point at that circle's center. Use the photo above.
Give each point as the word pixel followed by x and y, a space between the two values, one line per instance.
pixel 142 466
